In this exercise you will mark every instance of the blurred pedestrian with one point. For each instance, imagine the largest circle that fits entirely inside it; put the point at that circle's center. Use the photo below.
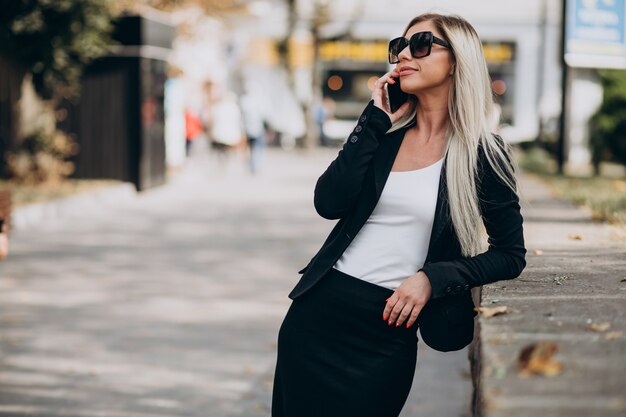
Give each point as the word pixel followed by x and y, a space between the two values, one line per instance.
pixel 193 127
pixel 226 130
pixel 252 111
pixel 4 240
pixel 324 111
pixel 413 189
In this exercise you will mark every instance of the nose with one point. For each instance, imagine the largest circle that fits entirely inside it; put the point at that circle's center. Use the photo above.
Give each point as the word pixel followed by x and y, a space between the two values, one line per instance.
pixel 405 54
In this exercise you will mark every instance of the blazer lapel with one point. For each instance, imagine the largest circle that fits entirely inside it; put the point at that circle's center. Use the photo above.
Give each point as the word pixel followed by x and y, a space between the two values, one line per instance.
pixel 382 164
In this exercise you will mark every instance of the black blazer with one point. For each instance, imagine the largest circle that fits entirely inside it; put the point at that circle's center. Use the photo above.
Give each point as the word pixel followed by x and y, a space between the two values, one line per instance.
pixel 349 190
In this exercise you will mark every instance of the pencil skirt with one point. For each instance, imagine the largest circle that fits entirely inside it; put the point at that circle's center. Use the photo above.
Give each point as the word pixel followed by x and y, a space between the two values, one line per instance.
pixel 337 357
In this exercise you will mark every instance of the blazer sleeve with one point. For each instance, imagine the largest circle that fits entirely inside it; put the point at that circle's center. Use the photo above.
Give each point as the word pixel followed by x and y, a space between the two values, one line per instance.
pixel 337 189
pixel 505 257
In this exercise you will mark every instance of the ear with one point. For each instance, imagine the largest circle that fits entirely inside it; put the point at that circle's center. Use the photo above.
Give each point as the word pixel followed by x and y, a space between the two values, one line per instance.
pixel 452 68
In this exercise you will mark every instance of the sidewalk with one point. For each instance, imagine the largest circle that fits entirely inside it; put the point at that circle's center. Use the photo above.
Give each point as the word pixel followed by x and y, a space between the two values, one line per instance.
pixel 571 286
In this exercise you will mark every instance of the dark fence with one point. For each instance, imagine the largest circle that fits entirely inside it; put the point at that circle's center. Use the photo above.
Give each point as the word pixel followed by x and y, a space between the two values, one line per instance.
pixel 10 84
pixel 118 121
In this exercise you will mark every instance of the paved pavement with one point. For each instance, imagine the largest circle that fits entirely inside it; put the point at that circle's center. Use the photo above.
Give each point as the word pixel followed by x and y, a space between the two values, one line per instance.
pixel 169 304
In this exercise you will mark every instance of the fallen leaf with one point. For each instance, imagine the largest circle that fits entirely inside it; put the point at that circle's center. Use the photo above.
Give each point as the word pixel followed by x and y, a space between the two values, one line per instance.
pixel 560 279
pixel 536 359
pixel 538 252
pixel 599 327
pixel 623 279
pixel 576 237
pixel 613 335
pixel 491 311
pixel 619 185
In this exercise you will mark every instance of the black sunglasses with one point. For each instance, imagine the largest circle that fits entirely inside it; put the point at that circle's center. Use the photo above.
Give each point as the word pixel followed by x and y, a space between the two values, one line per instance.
pixel 420 45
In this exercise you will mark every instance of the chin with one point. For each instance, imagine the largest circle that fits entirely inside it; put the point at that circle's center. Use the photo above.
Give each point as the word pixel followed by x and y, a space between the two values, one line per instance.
pixel 412 86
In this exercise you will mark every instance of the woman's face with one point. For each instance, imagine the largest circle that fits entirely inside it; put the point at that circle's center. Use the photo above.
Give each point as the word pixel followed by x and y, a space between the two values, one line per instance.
pixel 427 73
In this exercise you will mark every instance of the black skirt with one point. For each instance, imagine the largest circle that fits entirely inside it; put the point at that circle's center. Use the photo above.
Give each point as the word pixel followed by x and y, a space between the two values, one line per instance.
pixel 338 357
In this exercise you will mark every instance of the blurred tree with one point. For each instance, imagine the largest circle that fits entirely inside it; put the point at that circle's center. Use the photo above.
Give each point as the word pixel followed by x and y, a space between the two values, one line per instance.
pixel 210 7
pixel 55 39
pixel 51 41
pixel 608 125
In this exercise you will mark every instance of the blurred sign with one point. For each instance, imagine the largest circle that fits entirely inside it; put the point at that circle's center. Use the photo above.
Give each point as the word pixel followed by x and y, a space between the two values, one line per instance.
pixel 594 33
pixel 499 52
pixel 354 51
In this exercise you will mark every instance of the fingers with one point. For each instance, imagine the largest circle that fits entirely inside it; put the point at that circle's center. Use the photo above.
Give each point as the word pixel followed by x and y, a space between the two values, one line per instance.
pixel 397 312
pixel 379 95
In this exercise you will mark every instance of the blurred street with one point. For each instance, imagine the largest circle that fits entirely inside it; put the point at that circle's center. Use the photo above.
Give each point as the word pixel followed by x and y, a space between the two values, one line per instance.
pixel 170 304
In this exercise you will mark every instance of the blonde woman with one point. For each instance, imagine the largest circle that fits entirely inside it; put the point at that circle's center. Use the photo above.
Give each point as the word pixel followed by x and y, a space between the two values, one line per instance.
pixel 414 191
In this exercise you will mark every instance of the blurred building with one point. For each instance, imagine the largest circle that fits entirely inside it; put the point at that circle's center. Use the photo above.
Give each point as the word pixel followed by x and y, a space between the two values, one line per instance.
pixel 521 42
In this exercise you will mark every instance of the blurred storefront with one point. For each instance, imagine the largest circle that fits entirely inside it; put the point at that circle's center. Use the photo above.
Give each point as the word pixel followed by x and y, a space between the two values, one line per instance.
pixel 520 40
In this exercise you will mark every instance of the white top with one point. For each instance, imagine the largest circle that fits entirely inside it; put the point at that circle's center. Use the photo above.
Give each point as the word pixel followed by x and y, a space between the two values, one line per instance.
pixel 393 243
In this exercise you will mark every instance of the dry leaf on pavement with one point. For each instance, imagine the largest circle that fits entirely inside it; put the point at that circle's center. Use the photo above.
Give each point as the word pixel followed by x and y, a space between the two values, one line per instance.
pixel 536 359
pixel 576 237
pixel 613 335
pixel 538 252
pixel 491 311
pixel 599 327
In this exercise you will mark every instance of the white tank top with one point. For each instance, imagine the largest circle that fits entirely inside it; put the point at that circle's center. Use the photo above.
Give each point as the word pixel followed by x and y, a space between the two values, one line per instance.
pixel 393 243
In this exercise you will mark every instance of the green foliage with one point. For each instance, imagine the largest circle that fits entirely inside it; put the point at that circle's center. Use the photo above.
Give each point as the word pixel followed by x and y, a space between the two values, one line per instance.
pixel 55 39
pixel 608 125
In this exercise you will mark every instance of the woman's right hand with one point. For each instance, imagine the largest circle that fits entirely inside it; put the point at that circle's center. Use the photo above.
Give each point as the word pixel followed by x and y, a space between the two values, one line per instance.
pixel 379 95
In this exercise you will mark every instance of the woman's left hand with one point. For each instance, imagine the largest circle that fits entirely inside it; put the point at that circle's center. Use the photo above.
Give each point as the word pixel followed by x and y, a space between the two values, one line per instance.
pixel 408 300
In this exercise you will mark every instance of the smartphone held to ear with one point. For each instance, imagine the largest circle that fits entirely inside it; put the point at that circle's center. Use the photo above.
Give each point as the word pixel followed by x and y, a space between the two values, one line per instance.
pixel 397 97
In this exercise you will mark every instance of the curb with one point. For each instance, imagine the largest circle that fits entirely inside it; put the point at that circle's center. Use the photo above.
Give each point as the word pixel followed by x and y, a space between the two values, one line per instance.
pixel 586 376
pixel 32 215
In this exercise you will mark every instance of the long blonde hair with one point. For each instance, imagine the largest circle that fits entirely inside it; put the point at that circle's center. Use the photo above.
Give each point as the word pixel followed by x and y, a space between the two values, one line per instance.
pixel 470 107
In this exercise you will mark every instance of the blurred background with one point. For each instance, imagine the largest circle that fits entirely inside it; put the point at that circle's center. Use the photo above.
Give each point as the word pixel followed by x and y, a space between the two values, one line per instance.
pixel 157 166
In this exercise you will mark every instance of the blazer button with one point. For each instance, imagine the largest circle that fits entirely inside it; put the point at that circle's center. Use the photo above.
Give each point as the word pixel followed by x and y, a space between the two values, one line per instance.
pixel 448 290
pixel 459 288
pixel 358 128
pixel 353 139
pixel 363 118
pixel 466 287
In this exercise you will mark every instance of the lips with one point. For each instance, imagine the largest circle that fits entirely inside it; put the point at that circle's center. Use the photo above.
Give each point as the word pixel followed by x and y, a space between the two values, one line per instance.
pixel 407 71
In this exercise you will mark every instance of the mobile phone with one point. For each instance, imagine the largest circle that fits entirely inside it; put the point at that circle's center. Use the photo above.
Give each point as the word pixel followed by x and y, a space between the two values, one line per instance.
pixel 397 97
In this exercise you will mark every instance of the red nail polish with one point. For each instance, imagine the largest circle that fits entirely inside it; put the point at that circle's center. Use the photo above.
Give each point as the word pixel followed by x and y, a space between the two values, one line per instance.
pixel 407 325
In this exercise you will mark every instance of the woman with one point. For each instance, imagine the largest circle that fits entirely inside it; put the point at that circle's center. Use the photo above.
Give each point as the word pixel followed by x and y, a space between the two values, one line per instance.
pixel 412 190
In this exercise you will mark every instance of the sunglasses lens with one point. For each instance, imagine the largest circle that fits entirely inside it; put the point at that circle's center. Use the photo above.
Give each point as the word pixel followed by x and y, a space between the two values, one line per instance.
pixel 420 44
pixel 395 47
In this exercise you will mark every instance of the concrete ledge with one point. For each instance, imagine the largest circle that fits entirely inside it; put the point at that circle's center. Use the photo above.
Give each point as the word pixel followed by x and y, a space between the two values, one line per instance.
pixel 34 214
pixel 568 284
